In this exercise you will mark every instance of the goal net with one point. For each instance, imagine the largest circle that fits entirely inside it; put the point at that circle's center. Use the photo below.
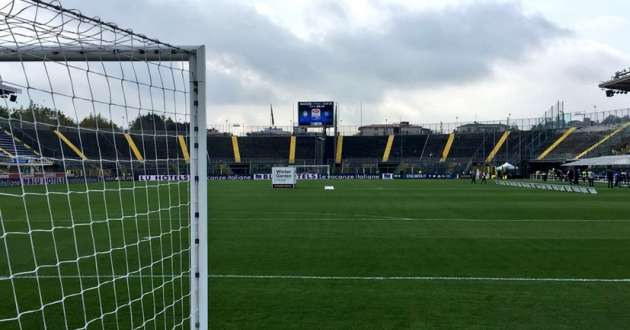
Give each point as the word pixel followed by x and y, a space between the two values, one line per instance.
pixel 102 186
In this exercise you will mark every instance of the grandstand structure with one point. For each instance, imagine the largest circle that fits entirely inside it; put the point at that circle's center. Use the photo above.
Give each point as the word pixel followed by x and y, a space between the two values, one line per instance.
pixel 127 153
pixel 531 144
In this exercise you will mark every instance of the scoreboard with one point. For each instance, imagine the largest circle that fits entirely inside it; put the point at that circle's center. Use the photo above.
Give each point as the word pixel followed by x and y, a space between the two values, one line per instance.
pixel 316 113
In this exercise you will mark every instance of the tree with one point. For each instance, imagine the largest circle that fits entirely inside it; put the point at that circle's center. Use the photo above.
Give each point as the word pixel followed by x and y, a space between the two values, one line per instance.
pixel 152 122
pixel 99 122
pixel 4 112
pixel 42 114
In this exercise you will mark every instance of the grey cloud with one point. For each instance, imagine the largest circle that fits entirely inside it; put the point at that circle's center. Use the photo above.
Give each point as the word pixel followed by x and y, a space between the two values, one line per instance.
pixel 226 89
pixel 456 45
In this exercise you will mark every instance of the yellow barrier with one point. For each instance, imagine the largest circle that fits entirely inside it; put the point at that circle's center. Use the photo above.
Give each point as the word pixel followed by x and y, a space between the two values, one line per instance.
pixel 388 148
pixel 497 146
pixel 134 148
pixel 447 147
pixel 237 153
pixel 339 149
pixel 292 150
pixel 184 147
pixel 554 145
pixel 70 145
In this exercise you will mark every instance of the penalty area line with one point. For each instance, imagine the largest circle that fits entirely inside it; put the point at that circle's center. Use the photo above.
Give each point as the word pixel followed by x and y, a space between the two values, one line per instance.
pixel 425 278
pixel 404 219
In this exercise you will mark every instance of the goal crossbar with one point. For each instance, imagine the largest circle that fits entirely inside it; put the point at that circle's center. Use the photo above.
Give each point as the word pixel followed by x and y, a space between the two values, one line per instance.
pixel 101 54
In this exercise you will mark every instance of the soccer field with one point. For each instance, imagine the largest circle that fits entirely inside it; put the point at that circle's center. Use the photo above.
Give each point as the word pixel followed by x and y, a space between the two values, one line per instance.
pixel 370 254
pixel 417 254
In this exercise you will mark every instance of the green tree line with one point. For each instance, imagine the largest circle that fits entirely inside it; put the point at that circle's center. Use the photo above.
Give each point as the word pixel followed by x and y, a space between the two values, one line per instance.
pixel 45 115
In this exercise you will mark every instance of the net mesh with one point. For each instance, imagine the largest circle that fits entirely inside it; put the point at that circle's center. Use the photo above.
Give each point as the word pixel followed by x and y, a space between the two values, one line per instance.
pixel 312 171
pixel 94 189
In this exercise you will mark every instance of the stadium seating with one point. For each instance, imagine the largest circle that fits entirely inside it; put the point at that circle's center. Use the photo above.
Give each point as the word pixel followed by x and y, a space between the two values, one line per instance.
pixel 475 146
pixel 576 143
pixel 265 148
pixel 366 147
pixel 162 152
pixel 14 146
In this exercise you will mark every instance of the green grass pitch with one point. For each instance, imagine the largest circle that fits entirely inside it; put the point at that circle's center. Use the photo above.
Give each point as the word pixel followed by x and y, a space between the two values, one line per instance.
pixel 368 255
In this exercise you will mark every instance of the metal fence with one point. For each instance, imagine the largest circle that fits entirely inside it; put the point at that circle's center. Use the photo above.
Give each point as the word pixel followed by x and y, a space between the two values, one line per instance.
pixel 554 119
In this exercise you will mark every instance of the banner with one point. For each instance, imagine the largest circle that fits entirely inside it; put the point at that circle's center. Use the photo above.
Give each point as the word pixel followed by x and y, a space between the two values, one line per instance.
pixel 12 179
pixel 283 177
pixel 546 186
pixel 163 178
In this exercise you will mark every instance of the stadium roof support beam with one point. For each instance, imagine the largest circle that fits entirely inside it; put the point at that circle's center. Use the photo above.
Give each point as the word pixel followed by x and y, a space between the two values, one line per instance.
pixel 70 145
pixel 388 148
pixel 447 147
pixel 235 149
pixel 184 148
pixel 603 140
pixel 133 147
pixel 497 146
pixel 556 143
pixel 338 155
pixel 292 145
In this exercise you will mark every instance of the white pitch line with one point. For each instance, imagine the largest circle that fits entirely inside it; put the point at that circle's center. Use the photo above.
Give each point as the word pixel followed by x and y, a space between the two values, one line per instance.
pixel 353 278
pixel 32 277
pixel 426 278
pixel 402 219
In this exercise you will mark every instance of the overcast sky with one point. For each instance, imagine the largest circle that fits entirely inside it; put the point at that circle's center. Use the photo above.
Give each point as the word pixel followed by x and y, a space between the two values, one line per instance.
pixel 420 61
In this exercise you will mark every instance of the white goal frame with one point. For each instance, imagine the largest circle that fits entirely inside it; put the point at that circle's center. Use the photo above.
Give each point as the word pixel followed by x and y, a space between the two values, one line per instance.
pixel 297 167
pixel 195 55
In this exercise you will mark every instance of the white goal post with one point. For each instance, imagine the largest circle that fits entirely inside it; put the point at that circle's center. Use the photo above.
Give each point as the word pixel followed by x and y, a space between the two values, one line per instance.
pixel 83 242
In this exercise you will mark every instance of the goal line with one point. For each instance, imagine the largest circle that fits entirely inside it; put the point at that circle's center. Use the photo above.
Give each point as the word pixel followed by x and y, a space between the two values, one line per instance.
pixel 361 278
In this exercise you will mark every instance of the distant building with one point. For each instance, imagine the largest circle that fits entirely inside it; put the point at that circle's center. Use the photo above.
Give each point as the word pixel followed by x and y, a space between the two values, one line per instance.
pixel 303 131
pixel 402 128
pixel 476 127
pixel 214 132
pixel 270 131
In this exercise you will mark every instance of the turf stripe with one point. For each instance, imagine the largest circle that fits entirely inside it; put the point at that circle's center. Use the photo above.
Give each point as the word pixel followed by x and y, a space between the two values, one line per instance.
pixel 385 219
pixel 353 278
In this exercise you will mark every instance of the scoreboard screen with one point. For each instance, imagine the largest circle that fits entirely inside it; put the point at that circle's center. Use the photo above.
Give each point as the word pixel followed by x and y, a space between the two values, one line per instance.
pixel 316 113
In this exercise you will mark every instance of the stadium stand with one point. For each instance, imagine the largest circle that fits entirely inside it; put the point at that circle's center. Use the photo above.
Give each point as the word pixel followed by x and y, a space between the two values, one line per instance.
pixel 471 146
pixel 159 152
pixel 220 149
pixel 577 142
pixel 42 139
pixel 605 141
pixel 368 148
pixel 14 147
pixel 264 149
pixel 556 143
